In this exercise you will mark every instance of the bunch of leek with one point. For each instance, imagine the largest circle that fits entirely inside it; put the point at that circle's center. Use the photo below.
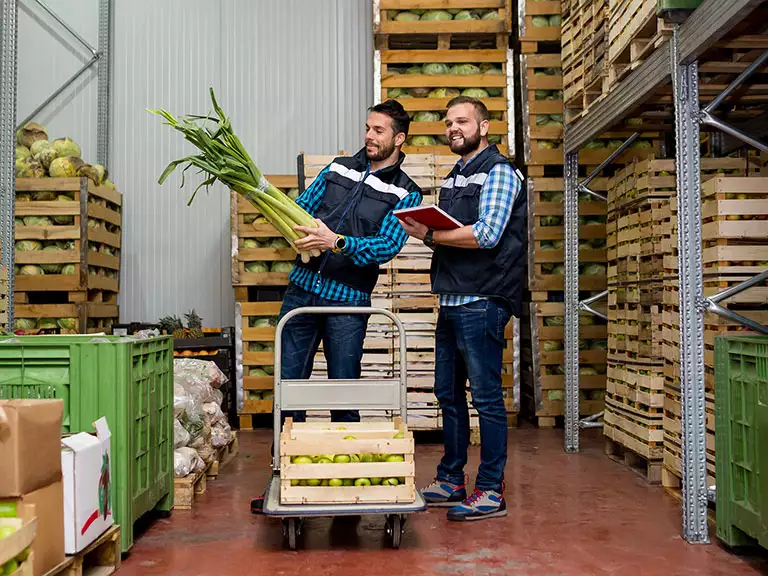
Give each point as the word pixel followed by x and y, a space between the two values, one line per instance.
pixel 222 157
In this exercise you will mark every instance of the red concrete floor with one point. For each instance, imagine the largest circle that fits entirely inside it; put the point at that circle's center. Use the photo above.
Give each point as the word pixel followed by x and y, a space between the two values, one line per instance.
pixel 569 514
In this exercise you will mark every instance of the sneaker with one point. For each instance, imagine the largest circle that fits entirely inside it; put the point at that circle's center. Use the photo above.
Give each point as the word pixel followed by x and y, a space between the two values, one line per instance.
pixel 480 505
pixel 442 493
pixel 257 505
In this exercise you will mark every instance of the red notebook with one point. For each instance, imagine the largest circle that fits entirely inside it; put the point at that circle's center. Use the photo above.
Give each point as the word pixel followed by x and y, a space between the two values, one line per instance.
pixel 429 215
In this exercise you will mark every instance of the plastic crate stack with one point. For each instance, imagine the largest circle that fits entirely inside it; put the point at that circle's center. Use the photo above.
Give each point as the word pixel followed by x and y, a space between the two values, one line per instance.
pixel 735 247
pixel 68 234
pixel 261 262
pixel 424 57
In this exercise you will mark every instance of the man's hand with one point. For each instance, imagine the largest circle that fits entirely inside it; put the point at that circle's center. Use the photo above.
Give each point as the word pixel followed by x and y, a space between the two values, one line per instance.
pixel 414 229
pixel 320 238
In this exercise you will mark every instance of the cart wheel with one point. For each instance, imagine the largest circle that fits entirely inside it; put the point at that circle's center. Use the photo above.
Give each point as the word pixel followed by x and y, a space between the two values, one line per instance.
pixel 394 529
pixel 291 531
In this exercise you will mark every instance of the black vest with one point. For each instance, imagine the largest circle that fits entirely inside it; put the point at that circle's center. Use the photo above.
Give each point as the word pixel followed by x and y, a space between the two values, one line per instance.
pixel 354 206
pixel 496 272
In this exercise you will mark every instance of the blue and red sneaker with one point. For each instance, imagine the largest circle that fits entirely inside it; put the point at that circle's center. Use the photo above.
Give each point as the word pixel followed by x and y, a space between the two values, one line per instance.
pixel 480 505
pixel 443 493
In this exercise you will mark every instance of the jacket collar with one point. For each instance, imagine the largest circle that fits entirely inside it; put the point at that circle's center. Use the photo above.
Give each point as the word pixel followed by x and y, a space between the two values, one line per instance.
pixel 386 172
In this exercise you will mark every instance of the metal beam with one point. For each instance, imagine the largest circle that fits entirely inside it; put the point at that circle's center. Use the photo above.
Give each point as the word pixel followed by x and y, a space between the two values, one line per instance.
pixel 733 290
pixel 571 303
pixel 731 315
pixel 615 154
pixel 738 81
pixel 104 86
pixel 708 24
pixel 688 170
pixel 8 75
pixel 707 118
pixel 586 190
pixel 68 28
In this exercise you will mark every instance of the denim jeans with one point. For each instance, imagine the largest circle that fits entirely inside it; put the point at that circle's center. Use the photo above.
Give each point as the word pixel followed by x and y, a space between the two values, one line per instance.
pixel 469 344
pixel 342 337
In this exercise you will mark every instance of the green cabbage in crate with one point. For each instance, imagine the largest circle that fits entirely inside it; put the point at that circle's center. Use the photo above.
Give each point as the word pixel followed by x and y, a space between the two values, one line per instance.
pixel 551 345
pixel 491 15
pixel 396 92
pixel 551 220
pixel 593 269
pixel 437 15
pixel 541 94
pixel 540 21
pixel 406 17
pixel 443 93
pixel 542 119
pixel 474 93
pixel 555 20
pixel 465 15
pixel 283 267
pixel 259 267
pixel 464 69
pixel 426 116
pixel 422 140
pixel 594 145
pixel 25 323
pixel 434 68
pixel 28 245
pixel 494 139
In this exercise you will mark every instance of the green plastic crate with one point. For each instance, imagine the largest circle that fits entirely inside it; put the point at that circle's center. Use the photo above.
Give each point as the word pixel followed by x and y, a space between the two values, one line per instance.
pixel 741 450
pixel 129 382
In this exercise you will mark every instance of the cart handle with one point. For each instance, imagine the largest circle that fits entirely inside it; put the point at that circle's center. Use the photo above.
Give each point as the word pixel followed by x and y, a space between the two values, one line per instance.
pixel 277 397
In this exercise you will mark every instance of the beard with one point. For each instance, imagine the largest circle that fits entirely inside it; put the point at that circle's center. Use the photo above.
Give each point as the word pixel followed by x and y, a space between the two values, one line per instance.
pixel 382 152
pixel 469 145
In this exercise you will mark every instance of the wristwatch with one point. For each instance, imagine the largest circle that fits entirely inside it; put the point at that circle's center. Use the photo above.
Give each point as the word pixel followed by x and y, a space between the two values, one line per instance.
pixel 429 242
pixel 339 244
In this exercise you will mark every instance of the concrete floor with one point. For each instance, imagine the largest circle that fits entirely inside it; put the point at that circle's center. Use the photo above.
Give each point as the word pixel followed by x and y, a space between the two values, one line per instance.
pixel 569 515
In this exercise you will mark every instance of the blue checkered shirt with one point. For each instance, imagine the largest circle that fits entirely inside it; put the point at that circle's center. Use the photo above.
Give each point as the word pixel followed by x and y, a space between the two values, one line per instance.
pixel 497 197
pixel 361 250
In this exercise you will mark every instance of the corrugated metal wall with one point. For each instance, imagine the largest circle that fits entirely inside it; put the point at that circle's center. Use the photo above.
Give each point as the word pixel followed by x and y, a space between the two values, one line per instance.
pixel 294 75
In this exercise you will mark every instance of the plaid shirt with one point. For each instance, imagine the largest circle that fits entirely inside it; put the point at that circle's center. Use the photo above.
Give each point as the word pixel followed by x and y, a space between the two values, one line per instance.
pixel 496 199
pixel 361 250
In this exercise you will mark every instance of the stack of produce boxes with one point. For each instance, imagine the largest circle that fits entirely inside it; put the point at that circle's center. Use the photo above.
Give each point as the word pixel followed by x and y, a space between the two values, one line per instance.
pixel 261 262
pixel 68 238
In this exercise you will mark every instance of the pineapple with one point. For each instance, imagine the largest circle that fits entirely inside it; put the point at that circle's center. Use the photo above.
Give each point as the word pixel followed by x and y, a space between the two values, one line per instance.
pixel 172 325
pixel 194 324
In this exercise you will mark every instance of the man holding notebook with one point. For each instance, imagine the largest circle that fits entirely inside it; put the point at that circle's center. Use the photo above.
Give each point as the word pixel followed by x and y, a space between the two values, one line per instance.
pixel 478 269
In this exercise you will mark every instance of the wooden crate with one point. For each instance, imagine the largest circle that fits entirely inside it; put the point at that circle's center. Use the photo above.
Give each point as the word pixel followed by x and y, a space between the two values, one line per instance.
pixel 88 238
pixel 535 39
pixel 86 317
pixel 314 439
pixel 257 379
pixel 634 31
pixel 385 22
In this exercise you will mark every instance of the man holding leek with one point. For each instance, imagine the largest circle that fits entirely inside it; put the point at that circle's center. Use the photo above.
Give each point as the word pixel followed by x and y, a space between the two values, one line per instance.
pixel 478 270
pixel 352 201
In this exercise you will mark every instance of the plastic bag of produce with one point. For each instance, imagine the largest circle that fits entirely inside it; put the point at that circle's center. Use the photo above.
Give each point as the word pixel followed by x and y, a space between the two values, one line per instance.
pixel 180 435
pixel 221 434
pixel 185 461
pixel 214 412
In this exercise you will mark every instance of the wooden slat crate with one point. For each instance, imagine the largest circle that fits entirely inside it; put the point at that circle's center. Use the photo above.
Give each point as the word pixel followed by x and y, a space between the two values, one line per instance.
pixel 544 94
pixel 70 318
pixel 550 152
pixel 542 26
pixel 496 17
pixel 634 31
pixel 80 238
pixel 258 357
pixel 309 483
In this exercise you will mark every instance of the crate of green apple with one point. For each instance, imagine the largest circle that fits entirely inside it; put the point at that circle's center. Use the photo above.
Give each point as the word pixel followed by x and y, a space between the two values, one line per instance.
pixel 17 532
pixel 350 463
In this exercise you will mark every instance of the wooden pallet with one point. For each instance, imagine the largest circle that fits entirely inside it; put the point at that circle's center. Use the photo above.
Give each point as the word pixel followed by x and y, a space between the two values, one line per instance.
pixel 648 469
pixel 224 456
pixel 185 489
pixel 100 558
pixel 384 21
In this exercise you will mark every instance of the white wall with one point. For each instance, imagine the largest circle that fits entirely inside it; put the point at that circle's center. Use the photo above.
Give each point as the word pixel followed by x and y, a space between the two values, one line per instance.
pixel 293 75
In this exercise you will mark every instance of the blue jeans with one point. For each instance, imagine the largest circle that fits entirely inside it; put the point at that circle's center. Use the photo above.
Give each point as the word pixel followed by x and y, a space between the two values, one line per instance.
pixel 470 344
pixel 342 337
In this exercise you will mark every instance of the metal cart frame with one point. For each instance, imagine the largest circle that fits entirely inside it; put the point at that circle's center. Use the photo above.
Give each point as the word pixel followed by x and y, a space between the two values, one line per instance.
pixel 386 394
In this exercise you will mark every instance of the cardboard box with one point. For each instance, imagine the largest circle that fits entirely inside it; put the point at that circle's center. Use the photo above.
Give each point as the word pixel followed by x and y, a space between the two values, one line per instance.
pixel 86 469
pixel 48 545
pixel 30 448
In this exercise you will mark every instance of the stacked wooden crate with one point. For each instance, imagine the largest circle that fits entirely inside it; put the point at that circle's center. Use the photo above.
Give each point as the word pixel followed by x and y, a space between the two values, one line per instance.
pixel 68 244
pixel 261 261
pixel 428 52
pixel 635 388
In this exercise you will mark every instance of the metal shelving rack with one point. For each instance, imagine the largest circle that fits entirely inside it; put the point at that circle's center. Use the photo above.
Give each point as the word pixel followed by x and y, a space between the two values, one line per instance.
pixel 677 62
pixel 8 90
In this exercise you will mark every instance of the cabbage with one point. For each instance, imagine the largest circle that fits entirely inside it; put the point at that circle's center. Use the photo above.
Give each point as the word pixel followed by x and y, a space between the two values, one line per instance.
pixel 48 323
pixel 643 144
pixel 556 95
pixel 437 15
pixel 260 323
pixel 18 221
pixel 488 68
pixel 494 139
pixel 541 94
pixel 540 21
pixel 63 167
pixel 465 15
pixel 37 221
pixel 542 119
pixel 255 347
pixel 551 220
pixel 551 345
pixel 406 17
pixel 29 168
pixel 395 92
pixel 422 141
pixel 282 267
pixel 38 146
pixel 615 143
pixel 556 118
pixel 418 92
pixel 555 20
pixel 43 196
pixel 546 245
pixel 31 270
pixel 634 121
pixel 496 115
pixel 25 323
pixel 594 145
pixel 250 243
pixel 475 93
pixel 491 15
pixel 546 144
pixel 436 68
pixel 584 245
pixel 559 270
pixel 597 243
pixel 557 123
pixel 552 196
pixel 68 270
pixel 494 92
pixel 256 267
pixel 413 70
pixel 66 147
pixel 554 321
pixel 443 93
pixel 464 69
pixel 30 133
pixel 594 269
pixel 22 152
pixel 68 323
pixel 28 245
pixel 587 371
pixel 426 116
pixel 555 395
pixel 278 243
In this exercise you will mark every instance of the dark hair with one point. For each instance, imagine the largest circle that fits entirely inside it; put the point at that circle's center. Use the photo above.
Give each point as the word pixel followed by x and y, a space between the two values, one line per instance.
pixel 392 108
pixel 480 109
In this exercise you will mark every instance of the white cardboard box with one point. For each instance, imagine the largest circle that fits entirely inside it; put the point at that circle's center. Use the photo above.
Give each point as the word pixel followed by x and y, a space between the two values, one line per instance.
pixel 87 471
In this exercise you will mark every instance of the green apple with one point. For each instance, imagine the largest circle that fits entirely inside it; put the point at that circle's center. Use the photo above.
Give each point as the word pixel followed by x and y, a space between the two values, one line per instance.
pixel 10 567
pixel 23 555
pixel 376 481
pixel 324 461
pixel 391 481
pixel 349 438
pixel 401 480
pixel 8 510
pixel 302 460
pixel 395 458
pixel 319 457
pixel 6 531
pixel 341 459
pixel 348 482
pixel 362 482
pixel 341 428
pixel 367 458
pixel 335 482
pixel 399 436
pixel 295 482
pixel 313 482
pixel 354 458
pixel 325 483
